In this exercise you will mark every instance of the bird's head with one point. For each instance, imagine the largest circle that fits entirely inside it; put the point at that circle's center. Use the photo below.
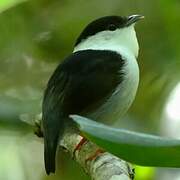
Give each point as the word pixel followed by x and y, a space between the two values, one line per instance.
pixel 110 32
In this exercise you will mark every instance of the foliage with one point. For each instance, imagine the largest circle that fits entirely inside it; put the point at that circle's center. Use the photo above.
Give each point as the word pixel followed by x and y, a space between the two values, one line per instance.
pixel 138 148
pixel 6 4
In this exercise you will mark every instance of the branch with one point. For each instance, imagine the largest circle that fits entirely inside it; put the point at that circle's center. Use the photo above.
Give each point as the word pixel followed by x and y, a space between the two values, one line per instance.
pixel 99 166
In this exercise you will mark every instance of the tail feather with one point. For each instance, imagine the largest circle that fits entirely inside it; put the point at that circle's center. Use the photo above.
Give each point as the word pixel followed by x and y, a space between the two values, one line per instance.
pixel 53 124
pixel 50 156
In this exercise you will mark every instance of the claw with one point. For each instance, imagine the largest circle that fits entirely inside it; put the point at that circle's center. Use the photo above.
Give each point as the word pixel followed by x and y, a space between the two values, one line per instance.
pixel 37 129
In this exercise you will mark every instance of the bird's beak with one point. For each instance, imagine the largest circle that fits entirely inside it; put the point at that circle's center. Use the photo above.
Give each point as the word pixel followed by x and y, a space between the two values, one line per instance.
pixel 133 19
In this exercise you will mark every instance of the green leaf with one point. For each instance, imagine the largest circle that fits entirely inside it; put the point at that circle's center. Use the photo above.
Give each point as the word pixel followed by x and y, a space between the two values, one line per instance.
pixel 6 4
pixel 138 148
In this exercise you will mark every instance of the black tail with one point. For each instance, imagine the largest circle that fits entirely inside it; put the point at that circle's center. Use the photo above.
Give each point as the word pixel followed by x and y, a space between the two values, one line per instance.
pixel 50 156
pixel 53 130
pixel 53 117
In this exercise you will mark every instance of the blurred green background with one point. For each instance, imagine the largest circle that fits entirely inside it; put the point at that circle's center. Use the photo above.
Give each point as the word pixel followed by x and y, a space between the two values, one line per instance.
pixel 36 35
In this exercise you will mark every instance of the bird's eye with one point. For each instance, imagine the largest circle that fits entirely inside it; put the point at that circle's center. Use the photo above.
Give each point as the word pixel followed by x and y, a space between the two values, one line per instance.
pixel 112 27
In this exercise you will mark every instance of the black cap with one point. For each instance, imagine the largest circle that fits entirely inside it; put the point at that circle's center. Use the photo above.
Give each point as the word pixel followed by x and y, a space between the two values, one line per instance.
pixel 110 23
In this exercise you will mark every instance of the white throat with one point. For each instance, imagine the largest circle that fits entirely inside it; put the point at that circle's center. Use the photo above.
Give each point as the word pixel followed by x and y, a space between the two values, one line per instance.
pixel 123 41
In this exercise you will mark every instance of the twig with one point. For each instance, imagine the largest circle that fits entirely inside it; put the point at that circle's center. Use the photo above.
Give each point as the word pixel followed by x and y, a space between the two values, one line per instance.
pixel 99 166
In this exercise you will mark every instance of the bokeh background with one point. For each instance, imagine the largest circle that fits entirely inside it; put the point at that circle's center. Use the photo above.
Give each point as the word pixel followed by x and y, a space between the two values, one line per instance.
pixel 36 35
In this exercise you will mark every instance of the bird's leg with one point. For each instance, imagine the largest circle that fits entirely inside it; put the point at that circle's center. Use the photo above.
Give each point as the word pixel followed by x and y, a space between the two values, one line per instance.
pixel 95 155
pixel 79 145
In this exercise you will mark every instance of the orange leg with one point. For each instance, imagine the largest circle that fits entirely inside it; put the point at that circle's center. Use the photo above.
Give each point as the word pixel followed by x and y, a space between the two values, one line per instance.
pixel 95 155
pixel 79 145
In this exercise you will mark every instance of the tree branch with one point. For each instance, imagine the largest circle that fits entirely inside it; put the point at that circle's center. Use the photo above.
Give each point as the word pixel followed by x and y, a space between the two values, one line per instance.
pixel 99 166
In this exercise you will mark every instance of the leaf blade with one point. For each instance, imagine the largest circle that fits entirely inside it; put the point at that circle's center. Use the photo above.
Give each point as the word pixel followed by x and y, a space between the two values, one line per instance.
pixel 138 148
pixel 6 4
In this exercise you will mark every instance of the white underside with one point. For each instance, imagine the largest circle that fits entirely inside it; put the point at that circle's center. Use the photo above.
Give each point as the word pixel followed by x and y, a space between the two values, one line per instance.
pixel 120 101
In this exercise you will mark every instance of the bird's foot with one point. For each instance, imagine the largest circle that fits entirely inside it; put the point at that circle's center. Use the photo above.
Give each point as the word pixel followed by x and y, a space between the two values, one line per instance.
pixel 95 155
pixel 37 129
pixel 79 145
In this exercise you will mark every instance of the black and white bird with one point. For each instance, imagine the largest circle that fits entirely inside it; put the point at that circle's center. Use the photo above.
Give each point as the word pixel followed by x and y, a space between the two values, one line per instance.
pixel 98 80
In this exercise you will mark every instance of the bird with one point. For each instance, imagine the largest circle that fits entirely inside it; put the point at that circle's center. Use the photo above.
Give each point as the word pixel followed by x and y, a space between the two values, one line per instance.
pixel 98 80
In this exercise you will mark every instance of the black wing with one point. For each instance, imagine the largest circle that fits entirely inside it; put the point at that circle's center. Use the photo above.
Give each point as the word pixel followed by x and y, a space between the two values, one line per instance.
pixel 88 77
pixel 83 80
